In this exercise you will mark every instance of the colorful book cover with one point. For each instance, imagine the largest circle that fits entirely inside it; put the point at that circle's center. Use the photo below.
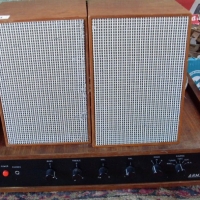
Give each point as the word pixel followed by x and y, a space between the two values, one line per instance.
pixel 194 70
pixel 194 7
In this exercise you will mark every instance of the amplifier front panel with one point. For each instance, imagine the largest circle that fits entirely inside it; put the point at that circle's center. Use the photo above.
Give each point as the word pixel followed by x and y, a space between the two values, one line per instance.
pixel 138 66
pixel 43 81
pixel 98 171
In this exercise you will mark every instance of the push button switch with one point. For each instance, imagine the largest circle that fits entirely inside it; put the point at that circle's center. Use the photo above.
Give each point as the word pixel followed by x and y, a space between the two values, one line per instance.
pixel 5 173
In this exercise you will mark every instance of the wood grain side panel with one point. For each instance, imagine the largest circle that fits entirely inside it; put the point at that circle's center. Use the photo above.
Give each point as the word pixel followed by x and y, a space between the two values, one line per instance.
pixel 134 8
pixel 88 79
pixel 92 80
pixel 184 79
pixel 98 187
pixel 3 126
pixel 42 10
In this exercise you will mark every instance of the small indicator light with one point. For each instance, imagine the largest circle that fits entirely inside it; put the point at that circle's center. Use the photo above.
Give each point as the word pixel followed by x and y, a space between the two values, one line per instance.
pixel 5 173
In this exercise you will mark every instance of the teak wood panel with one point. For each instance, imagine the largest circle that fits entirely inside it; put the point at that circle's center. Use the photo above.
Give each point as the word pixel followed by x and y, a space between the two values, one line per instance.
pixel 189 143
pixel 99 187
pixel 42 10
pixel 134 8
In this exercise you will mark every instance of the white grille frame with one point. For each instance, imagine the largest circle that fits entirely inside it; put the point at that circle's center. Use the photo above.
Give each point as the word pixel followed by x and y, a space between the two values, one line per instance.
pixel 108 128
pixel 54 96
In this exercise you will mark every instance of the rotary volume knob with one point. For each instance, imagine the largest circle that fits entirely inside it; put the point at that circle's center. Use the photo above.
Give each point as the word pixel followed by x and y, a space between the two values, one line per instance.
pixel 77 174
pixel 179 169
pixel 50 174
pixel 156 169
pixel 130 171
pixel 103 173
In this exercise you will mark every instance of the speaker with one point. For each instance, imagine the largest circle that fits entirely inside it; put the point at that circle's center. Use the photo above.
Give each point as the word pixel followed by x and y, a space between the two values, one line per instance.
pixel 137 52
pixel 44 72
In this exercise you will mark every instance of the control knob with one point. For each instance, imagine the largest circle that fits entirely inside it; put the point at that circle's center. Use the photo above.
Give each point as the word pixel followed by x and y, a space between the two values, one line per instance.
pixel 179 165
pixel 50 174
pixel 103 173
pixel 130 171
pixel 156 169
pixel 76 174
pixel 179 169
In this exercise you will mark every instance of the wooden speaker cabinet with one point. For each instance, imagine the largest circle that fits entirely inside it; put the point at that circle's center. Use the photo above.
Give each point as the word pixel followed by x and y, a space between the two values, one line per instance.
pixel 137 52
pixel 44 72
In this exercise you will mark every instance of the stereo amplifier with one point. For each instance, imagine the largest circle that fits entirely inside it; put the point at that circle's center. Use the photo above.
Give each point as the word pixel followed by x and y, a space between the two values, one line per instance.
pixel 93 96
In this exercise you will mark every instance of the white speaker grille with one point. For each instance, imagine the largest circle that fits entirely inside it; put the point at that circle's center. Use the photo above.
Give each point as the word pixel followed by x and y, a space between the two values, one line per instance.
pixel 43 81
pixel 138 75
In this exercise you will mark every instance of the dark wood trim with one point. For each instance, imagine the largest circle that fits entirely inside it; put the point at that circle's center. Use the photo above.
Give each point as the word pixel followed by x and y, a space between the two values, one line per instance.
pixel 184 78
pixel 98 187
pixel 139 16
pixel 43 10
pixel 87 70
pixel 135 8
pixel 5 138
pixel 92 80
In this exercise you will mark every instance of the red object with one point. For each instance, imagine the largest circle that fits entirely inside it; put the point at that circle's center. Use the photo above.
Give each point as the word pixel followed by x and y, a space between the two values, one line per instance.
pixel 5 173
pixel 195 19
pixel 186 3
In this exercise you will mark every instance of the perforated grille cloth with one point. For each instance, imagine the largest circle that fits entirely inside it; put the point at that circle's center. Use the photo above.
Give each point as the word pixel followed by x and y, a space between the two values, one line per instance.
pixel 43 81
pixel 138 74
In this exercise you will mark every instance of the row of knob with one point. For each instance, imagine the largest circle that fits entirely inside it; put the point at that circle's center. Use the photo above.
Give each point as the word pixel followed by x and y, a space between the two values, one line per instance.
pixel 156 169
pixel 76 174
pixel 103 172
